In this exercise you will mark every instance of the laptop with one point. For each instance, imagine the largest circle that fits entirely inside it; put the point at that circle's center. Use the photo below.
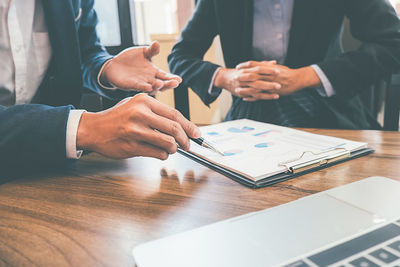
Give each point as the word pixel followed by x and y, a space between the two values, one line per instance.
pixel 353 225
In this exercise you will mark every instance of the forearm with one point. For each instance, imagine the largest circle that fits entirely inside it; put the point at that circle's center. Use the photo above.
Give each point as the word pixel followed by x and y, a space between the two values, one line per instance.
pixel 353 72
pixel 32 135
pixel 196 73
pixel 379 54
pixel 186 59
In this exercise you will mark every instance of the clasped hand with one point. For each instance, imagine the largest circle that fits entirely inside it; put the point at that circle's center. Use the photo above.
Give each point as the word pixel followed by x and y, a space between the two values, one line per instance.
pixel 263 80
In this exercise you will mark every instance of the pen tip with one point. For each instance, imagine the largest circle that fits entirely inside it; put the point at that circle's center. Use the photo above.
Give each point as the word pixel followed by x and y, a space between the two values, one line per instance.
pixel 218 152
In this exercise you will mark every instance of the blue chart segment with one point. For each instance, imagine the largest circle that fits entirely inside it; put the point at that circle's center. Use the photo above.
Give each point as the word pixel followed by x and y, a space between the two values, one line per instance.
pixel 244 129
pixel 213 133
pixel 232 152
pixel 263 145
pixel 266 133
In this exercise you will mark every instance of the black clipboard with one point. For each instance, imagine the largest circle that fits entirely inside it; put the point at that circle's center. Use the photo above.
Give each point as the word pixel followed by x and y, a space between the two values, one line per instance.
pixel 275 178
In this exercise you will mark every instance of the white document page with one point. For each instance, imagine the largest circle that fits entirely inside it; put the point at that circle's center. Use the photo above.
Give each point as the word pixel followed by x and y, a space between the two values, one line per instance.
pixel 256 149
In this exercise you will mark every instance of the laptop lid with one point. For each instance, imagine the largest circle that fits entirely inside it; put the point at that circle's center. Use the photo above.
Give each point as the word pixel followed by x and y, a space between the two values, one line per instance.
pixel 274 236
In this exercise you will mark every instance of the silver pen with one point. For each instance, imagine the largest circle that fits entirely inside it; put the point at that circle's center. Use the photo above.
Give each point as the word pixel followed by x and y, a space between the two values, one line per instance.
pixel 202 142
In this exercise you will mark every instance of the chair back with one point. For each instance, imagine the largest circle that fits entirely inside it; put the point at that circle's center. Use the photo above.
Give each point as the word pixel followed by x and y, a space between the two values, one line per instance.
pixel 392 105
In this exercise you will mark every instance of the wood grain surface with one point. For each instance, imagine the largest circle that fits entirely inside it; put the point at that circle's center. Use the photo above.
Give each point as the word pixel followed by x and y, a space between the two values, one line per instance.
pixel 94 213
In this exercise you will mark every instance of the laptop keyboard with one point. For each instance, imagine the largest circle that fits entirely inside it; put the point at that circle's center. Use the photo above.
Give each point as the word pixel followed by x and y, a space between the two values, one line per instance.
pixel 380 247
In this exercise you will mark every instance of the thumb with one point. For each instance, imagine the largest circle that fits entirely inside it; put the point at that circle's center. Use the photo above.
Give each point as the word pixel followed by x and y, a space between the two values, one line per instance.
pixel 152 50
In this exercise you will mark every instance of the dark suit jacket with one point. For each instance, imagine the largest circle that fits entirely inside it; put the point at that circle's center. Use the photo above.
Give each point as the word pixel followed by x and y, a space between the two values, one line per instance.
pixel 314 39
pixel 35 134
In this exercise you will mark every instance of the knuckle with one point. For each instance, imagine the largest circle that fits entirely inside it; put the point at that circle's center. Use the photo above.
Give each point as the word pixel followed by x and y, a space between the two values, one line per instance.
pixel 175 115
pixel 175 128
pixel 169 139
pixel 191 128
pixel 273 85
pixel 141 97
pixel 248 76
pixel 138 113
pixel 257 84
pixel 269 85
pixel 133 134
pixel 173 149
pixel 170 144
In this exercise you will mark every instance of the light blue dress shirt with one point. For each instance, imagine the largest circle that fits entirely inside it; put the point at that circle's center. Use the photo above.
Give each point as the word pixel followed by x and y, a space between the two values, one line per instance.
pixel 271 35
pixel 271 29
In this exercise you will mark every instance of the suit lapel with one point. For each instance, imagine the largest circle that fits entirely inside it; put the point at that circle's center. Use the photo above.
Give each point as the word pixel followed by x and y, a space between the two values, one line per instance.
pixel 300 25
pixel 64 78
pixel 63 35
pixel 247 28
pixel 236 18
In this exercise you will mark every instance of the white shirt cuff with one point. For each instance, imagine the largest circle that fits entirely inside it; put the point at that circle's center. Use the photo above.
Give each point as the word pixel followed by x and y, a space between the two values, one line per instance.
pixel 328 89
pixel 72 130
pixel 212 90
pixel 112 87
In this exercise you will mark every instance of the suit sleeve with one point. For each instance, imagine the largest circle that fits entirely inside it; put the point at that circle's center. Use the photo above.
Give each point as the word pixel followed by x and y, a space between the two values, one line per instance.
pixel 186 59
pixel 377 26
pixel 32 136
pixel 93 54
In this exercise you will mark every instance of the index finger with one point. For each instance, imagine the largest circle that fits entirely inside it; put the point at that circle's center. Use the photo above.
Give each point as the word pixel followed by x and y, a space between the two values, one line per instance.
pixel 162 75
pixel 170 85
pixel 247 64
pixel 165 111
pixel 263 70
pixel 251 64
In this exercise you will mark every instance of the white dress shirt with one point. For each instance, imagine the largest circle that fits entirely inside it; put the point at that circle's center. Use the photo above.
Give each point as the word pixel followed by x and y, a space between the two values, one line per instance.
pixel 25 54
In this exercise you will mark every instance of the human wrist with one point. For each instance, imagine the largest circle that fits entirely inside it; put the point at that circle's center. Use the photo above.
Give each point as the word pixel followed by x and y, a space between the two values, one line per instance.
pixel 221 78
pixel 84 138
pixel 102 77
pixel 307 78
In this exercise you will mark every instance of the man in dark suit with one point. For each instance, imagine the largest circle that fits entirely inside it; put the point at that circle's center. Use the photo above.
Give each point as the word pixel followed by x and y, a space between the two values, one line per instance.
pixel 285 63
pixel 50 51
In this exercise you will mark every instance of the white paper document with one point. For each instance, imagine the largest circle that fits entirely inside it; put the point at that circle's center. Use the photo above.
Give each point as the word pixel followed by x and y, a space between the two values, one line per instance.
pixel 258 150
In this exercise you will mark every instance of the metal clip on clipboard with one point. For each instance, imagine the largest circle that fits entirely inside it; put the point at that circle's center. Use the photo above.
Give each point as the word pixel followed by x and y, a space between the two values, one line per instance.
pixel 299 164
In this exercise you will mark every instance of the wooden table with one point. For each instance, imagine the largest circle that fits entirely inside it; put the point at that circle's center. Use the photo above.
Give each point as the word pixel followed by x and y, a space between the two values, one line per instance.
pixel 96 212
